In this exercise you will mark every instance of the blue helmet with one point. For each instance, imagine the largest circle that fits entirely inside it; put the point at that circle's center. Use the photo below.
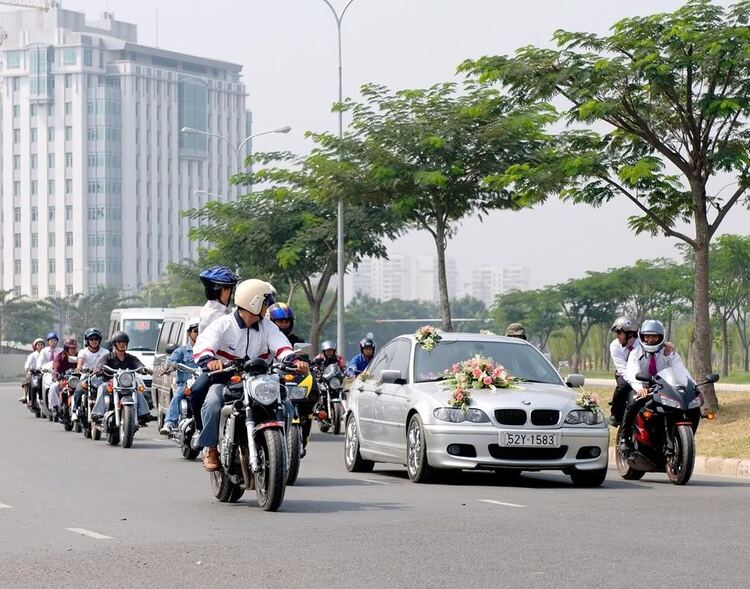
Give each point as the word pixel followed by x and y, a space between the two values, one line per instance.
pixel 52 335
pixel 216 278
pixel 281 311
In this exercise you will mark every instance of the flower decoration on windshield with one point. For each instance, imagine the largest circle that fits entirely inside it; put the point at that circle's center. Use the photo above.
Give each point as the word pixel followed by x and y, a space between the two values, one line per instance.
pixel 476 373
pixel 427 337
pixel 587 400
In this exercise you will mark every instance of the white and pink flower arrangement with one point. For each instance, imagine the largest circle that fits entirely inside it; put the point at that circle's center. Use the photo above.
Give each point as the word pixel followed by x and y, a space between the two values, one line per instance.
pixel 587 400
pixel 427 337
pixel 473 374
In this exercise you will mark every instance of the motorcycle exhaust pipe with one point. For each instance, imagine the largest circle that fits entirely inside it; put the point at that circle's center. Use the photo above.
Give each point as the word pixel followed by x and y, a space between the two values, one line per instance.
pixel 246 475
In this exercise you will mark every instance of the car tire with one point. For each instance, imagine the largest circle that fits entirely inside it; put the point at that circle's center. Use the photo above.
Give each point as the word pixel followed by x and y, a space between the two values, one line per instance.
pixel 417 466
pixel 352 458
pixel 588 478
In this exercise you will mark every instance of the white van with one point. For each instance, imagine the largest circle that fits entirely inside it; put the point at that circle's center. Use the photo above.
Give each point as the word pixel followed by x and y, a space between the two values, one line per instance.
pixel 142 324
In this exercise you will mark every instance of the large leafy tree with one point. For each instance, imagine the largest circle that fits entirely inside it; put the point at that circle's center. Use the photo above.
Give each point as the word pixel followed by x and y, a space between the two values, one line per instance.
pixel 285 231
pixel 27 319
pixel 539 311
pixel 424 156
pixel 658 114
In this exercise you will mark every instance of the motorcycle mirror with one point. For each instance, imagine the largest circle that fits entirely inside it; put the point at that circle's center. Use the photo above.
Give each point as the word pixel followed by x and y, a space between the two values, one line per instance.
pixel 302 349
pixel 575 380
pixel 643 377
pixel 170 348
pixel 712 378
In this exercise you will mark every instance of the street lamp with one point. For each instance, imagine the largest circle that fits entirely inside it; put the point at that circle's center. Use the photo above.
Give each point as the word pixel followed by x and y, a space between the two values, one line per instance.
pixel 340 266
pixel 237 148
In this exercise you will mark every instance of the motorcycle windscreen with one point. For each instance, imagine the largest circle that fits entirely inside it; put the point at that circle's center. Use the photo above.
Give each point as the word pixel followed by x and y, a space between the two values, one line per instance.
pixel 675 378
pixel 331 370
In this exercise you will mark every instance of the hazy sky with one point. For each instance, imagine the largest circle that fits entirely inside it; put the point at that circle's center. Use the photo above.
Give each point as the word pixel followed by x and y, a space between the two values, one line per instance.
pixel 288 50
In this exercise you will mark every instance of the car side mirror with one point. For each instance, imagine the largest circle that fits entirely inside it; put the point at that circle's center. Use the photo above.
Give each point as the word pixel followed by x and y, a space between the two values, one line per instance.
pixel 392 377
pixel 712 378
pixel 303 349
pixel 170 349
pixel 575 380
pixel 643 377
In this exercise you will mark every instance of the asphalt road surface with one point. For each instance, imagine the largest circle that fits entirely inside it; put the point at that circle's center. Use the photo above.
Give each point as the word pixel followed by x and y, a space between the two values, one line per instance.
pixel 77 513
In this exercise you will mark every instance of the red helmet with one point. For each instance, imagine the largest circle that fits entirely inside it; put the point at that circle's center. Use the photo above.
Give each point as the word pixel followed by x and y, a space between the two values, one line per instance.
pixel 70 343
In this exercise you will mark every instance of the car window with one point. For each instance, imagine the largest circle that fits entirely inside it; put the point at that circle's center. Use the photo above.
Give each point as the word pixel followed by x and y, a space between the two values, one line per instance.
pixel 381 360
pixel 399 359
pixel 176 335
pixel 163 341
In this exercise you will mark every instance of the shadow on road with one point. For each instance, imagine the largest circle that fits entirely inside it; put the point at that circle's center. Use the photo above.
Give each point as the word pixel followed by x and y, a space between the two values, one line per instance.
pixel 330 482
pixel 302 506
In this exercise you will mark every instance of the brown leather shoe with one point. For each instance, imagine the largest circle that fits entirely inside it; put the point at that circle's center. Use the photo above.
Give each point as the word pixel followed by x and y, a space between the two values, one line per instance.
pixel 211 460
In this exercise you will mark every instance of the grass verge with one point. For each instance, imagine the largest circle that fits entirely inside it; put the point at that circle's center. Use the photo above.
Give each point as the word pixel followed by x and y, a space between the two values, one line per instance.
pixel 726 436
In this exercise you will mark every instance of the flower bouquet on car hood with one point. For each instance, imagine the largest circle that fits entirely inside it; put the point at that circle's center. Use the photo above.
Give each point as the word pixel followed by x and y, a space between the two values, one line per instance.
pixel 473 374
pixel 427 337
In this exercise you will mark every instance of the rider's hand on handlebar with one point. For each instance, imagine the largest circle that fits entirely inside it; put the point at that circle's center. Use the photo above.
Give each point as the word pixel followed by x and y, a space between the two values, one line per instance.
pixel 215 365
pixel 301 366
pixel 642 392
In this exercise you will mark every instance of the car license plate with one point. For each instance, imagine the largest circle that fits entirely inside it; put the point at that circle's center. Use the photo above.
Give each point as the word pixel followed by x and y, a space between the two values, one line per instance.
pixel 530 439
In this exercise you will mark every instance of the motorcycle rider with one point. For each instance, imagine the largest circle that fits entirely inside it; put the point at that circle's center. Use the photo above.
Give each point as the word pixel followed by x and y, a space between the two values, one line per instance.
pixel 651 357
pixel 30 364
pixel 361 361
pixel 515 330
pixel 89 359
pixel 328 355
pixel 119 359
pixel 245 334
pixel 626 340
pixel 64 361
pixel 182 355
pixel 50 351
pixel 218 284
pixel 283 316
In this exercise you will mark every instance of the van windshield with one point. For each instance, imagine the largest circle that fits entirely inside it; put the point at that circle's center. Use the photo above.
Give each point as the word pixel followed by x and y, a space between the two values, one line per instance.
pixel 142 333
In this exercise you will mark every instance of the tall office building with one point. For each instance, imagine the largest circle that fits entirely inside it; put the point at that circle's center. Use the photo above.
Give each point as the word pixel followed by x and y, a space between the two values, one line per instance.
pixel 95 171
pixel 384 279
pixel 486 284
pixel 514 277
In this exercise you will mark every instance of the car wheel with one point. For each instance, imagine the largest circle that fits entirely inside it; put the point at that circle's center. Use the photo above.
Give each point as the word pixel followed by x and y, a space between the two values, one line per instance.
pixel 352 458
pixel 417 466
pixel 588 478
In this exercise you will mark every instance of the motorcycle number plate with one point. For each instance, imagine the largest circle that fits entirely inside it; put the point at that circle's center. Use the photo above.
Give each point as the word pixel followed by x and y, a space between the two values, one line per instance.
pixel 530 439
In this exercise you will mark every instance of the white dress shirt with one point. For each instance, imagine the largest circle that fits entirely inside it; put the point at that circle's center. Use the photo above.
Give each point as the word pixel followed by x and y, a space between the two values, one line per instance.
pixel 31 361
pixel 210 312
pixel 638 362
pixel 46 355
pixel 620 355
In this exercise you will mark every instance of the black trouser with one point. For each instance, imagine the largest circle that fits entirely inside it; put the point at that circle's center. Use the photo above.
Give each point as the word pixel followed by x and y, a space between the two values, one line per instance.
pixel 631 412
pixel 198 394
pixel 620 398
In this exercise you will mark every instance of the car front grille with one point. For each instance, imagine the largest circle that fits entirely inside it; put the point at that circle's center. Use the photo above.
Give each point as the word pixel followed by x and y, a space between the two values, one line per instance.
pixel 503 453
pixel 510 416
pixel 545 417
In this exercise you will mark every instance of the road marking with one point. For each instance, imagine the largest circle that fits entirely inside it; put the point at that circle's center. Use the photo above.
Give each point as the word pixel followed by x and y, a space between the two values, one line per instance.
pixel 375 482
pixel 89 533
pixel 3 506
pixel 501 503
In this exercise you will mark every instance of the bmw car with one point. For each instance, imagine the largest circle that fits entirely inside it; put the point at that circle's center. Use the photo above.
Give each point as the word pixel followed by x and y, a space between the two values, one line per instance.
pixel 398 412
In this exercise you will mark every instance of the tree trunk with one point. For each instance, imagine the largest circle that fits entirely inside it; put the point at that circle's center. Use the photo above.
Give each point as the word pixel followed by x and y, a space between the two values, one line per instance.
pixel 724 345
pixel 701 340
pixel 445 304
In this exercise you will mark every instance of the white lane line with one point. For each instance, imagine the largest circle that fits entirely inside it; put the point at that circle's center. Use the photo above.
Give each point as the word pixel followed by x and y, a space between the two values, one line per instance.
pixel 4 506
pixel 500 503
pixel 89 533
pixel 375 482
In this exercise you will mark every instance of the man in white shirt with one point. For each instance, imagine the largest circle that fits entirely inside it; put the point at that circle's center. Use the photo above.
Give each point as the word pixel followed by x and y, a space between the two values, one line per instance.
pixel 626 340
pixel 30 364
pixel 89 359
pixel 243 335
pixel 48 354
pixel 218 284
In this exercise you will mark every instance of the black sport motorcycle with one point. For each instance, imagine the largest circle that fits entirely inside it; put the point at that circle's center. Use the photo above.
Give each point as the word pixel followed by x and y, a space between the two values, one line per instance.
pixel 662 438
pixel 329 412
pixel 185 430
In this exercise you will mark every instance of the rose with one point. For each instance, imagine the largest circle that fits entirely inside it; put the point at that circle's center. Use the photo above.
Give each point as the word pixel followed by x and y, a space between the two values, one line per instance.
pixel 459 396
pixel 487 380
pixel 477 372
pixel 456 368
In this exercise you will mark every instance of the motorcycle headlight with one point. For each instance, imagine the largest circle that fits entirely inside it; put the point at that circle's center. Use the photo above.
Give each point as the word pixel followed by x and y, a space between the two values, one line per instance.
pixel 264 389
pixel 584 416
pixel 296 393
pixel 73 382
pixel 335 383
pixel 669 402
pixel 695 403
pixel 125 380
pixel 454 415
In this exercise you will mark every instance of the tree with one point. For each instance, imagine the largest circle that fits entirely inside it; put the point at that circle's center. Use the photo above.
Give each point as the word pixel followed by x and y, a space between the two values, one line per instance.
pixel 538 310
pixel 94 309
pixel 181 286
pixel 424 155
pixel 741 320
pixel 673 90
pixel 286 232
pixel 27 319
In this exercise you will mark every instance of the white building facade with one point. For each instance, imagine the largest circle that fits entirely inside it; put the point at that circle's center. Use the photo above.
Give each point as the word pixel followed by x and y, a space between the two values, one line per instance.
pixel 95 171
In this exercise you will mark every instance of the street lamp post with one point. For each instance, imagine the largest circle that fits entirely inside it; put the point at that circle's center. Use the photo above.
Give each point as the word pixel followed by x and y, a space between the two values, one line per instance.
pixel 237 148
pixel 341 266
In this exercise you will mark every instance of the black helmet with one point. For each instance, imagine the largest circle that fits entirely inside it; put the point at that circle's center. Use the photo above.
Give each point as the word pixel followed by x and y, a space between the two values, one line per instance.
pixel 366 342
pixel 120 336
pixel 91 332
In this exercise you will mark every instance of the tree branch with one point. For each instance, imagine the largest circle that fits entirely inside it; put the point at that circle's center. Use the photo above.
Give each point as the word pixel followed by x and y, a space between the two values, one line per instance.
pixel 725 209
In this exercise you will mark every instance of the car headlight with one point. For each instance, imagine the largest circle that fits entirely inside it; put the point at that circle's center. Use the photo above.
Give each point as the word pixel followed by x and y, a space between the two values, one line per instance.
pixel 125 380
pixel 669 402
pixel 296 393
pixel 695 403
pixel 454 415
pixel 335 382
pixel 264 389
pixel 584 416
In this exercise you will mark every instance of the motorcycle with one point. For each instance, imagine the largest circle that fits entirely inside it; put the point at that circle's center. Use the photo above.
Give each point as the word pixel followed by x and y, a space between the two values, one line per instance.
pixel 35 392
pixel 44 392
pixel 185 430
pixel 82 417
pixel 120 421
pixel 301 394
pixel 663 435
pixel 68 383
pixel 328 412
pixel 253 456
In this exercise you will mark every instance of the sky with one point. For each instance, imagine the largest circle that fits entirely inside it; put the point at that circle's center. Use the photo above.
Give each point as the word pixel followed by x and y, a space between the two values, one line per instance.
pixel 288 50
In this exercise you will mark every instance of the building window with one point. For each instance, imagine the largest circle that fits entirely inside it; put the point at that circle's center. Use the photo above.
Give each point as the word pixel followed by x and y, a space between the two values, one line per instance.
pixel 68 133
pixel 35 266
pixel 68 186
pixel 17 214
pixel 16 136
pixel 68 212
pixel 16 240
pixel 50 160
pixel 33 161
pixel 69 265
pixel 51 265
pixel 34 240
pixel 32 110
pixel 16 267
pixel 50 134
pixel 87 57
pixel 68 290
pixel 33 134
pixel 34 213
pixel 13 60
pixel 33 187
pixel 16 162
pixel 51 214
pixel 50 187
pixel 69 238
pixel 70 56
pixel 68 80
pixel 68 108
pixel 51 240
pixel 68 159
pixel 16 111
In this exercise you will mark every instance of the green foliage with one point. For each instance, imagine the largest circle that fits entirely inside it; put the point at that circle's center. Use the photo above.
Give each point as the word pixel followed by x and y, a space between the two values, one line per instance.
pixel 538 310
pixel 181 286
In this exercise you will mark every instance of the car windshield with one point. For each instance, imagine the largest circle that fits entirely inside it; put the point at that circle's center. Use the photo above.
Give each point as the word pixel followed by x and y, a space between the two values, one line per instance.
pixel 143 334
pixel 522 361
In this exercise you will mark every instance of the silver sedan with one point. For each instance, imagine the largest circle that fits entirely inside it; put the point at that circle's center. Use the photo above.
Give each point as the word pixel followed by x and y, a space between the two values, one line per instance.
pixel 398 412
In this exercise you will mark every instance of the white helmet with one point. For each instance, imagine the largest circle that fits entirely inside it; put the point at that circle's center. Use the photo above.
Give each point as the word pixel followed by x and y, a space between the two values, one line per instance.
pixel 193 323
pixel 252 294
pixel 652 327
pixel 624 324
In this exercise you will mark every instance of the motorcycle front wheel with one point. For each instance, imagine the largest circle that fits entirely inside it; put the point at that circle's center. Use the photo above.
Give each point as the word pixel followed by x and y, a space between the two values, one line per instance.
pixel 336 418
pixel 223 488
pixel 270 479
pixel 623 468
pixel 293 453
pixel 127 426
pixel 680 464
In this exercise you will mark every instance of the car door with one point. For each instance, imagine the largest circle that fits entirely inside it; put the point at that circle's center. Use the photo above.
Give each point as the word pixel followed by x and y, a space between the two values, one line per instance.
pixel 160 382
pixel 369 412
pixel 394 400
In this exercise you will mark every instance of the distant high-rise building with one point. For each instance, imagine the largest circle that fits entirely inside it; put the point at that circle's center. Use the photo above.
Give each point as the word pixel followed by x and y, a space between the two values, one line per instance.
pixel 95 169
pixel 514 277
pixel 486 284
pixel 384 279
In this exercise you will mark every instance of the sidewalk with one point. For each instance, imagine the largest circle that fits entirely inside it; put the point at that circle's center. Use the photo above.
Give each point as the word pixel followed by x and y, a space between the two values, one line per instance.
pixel 738 468
pixel 720 388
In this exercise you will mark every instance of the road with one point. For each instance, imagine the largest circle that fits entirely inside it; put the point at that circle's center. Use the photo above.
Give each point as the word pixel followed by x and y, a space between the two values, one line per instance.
pixel 77 513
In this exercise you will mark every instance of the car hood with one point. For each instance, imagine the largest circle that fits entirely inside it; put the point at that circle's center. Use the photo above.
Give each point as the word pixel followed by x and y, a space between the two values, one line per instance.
pixel 524 395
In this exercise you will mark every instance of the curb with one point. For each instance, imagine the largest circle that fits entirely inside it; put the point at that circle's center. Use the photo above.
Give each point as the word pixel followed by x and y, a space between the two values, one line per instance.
pixel 719 387
pixel 738 468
